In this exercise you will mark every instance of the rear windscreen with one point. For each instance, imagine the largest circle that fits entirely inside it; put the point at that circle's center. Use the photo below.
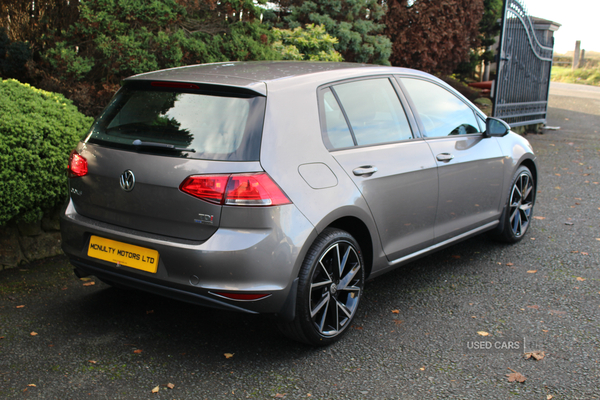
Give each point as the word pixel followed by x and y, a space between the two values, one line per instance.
pixel 194 124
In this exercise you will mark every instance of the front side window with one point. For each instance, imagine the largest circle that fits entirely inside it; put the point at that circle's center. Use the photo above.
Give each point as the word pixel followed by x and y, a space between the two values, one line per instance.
pixel 194 125
pixel 441 112
pixel 364 112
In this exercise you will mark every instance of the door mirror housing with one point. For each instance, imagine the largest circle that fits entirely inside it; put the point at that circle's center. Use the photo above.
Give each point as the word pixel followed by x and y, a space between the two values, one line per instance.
pixel 496 127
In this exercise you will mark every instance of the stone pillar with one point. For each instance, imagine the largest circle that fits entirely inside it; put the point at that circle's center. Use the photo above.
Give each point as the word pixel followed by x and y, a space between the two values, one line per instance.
pixel 582 59
pixel 576 55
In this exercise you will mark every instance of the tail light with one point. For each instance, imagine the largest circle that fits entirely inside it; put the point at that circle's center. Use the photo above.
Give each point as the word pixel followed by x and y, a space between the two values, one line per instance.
pixel 77 165
pixel 235 190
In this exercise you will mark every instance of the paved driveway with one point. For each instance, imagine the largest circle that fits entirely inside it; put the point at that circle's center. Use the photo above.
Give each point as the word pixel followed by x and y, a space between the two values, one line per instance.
pixel 415 336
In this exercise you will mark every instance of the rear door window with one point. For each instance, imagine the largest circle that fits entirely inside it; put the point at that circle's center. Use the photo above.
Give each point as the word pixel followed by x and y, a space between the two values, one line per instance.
pixel 194 124
pixel 370 113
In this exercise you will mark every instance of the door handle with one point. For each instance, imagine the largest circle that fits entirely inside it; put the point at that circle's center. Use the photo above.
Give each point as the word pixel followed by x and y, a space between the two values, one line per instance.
pixel 444 157
pixel 365 170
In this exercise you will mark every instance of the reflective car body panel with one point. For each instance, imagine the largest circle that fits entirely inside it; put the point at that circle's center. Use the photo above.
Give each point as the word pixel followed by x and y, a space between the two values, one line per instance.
pixel 393 194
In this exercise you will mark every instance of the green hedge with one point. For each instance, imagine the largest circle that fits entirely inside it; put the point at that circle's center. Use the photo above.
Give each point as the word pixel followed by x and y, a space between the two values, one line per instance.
pixel 38 129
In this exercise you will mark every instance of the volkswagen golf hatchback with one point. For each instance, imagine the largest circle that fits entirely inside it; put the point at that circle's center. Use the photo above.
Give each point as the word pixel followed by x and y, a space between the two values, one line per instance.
pixel 280 187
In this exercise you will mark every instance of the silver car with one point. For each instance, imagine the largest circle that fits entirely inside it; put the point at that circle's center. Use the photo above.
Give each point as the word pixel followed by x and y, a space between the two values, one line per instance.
pixel 280 187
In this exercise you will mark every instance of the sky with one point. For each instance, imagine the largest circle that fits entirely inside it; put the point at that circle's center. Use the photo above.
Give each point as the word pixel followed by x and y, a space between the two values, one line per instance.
pixel 579 20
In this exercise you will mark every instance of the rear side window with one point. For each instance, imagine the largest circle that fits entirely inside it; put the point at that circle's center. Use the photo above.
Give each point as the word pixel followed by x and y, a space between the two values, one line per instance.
pixel 364 112
pixel 193 124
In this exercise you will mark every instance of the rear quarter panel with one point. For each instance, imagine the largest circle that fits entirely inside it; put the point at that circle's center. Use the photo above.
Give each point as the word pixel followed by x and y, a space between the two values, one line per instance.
pixel 291 139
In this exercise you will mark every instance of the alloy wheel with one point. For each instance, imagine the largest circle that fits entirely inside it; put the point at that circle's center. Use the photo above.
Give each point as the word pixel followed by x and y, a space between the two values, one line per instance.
pixel 335 288
pixel 521 204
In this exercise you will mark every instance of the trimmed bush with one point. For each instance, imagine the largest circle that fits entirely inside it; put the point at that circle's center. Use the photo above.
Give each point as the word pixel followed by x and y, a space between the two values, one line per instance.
pixel 37 131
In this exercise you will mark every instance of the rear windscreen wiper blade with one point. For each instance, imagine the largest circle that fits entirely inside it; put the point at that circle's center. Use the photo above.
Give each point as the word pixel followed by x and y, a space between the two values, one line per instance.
pixel 139 143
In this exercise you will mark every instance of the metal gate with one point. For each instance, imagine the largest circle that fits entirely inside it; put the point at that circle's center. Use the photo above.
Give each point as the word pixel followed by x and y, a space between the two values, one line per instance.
pixel 523 71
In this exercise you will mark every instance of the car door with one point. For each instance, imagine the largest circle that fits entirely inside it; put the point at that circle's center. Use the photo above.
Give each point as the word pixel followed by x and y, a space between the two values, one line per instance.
pixel 470 166
pixel 368 133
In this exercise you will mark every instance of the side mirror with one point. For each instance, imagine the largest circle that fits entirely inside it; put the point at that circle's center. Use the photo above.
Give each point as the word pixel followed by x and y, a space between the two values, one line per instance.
pixel 495 127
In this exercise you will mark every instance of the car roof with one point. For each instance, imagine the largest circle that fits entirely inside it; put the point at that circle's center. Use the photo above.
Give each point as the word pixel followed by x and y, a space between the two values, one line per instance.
pixel 255 75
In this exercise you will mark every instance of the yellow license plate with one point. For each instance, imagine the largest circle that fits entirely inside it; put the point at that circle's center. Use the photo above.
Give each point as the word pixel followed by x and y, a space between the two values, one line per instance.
pixel 123 254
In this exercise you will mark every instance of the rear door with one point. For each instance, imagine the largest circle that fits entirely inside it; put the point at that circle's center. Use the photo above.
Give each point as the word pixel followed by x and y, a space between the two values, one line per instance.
pixel 470 167
pixel 368 132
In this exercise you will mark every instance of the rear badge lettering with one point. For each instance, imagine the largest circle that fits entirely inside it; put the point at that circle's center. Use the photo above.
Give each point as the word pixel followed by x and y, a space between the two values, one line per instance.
pixel 204 219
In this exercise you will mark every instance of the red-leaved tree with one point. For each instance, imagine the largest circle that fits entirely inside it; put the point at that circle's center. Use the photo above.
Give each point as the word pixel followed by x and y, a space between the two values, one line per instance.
pixel 433 35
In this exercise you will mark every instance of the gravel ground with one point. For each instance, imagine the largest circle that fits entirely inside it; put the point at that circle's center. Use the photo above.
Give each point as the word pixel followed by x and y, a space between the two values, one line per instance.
pixel 412 339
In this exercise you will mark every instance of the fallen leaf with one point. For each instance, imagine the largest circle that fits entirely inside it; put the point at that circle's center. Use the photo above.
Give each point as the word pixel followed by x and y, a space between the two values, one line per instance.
pixel 515 376
pixel 150 312
pixel 532 271
pixel 33 333
pixel 539 217
pixel 170 385
pixel 580 279
pixel 422 368
pixel 583 253
pixel 1 337
pixel 21 306
pixel 549 397
pixel 532 238
pixel 537 355
pixel 228 355
pixel 398 322
pixel 138 351
pixel 455 256
pixel 89 283
pixel 155 390
pixel 92 361
pixel 280 396
pixel 395 311
pixel 483 333
pixel 32 384
pixel 85 279
pixel 510 264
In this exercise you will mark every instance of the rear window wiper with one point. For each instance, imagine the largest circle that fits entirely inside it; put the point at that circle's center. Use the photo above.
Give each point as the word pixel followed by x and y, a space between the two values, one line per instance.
pixel 139 143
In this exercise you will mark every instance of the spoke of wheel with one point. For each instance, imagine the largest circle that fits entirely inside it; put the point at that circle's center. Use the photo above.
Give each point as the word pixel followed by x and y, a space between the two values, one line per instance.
pixel 325 282
pixel 337 316
pixel 526 207
pixel 517 223
pixel 323 303
pixel 344 261
pixel 345 309
pixel 349 276
pixel 516 189
pixel 337 252
pixel 528 190
pixel 513 215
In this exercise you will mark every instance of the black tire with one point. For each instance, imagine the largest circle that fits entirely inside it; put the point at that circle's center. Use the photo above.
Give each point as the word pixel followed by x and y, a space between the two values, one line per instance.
pixel 518 212
pixel 330 286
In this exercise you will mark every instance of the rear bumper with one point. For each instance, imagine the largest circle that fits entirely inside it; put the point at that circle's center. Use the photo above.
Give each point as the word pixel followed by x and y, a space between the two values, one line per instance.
pixel 238 257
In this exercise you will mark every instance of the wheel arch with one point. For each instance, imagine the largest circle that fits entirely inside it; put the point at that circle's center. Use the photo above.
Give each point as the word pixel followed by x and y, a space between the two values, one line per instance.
pixel 530 164
pixel 359 230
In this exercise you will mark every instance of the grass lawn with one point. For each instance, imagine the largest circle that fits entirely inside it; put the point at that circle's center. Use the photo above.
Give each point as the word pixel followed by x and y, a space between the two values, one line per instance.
pixel 586 76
